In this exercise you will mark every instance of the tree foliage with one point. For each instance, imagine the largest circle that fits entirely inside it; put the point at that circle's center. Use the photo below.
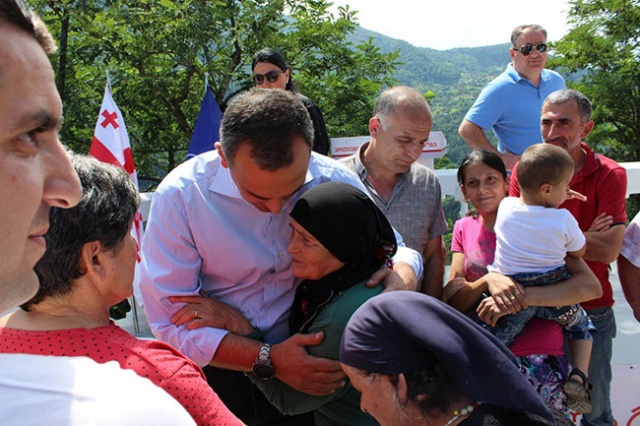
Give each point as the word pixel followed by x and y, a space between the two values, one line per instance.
pixel 158 53
pixel 604 47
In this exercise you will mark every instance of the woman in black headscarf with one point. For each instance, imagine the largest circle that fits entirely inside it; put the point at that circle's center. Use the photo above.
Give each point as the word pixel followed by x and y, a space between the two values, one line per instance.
pixel 339 239
pixel 417 361
pixel 270 71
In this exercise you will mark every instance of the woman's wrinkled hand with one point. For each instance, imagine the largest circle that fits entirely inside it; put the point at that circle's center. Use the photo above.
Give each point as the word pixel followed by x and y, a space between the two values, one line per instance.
pixel 204 311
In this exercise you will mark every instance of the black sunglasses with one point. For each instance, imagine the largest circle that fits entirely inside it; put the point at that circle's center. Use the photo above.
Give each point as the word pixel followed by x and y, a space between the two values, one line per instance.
pixel 271 77
pixel 526 49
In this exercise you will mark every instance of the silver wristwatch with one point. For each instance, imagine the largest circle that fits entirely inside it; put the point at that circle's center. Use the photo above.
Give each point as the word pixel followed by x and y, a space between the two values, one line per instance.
pixel 263 367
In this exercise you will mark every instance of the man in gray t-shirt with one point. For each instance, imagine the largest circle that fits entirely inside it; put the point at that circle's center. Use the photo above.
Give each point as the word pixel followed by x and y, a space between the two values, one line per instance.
pixel 407 192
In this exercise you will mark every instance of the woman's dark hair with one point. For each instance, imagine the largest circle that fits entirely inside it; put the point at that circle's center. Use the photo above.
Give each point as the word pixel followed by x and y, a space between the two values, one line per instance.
pixel 273 57
pixel 489 158
pixel 109 202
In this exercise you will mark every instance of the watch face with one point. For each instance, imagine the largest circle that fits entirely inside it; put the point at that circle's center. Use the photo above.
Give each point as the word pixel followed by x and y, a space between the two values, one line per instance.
pixel 265 372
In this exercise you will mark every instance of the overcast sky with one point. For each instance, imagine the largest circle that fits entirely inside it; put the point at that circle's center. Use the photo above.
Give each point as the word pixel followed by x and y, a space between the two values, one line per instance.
pixel 444 24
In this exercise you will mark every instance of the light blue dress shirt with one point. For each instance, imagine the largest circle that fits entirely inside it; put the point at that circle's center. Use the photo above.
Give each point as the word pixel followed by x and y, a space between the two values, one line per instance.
pixel 510 105
pixel 203 235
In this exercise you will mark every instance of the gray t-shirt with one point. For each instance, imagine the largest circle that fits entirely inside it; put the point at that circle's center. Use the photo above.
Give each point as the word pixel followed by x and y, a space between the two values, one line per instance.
pixel 415 206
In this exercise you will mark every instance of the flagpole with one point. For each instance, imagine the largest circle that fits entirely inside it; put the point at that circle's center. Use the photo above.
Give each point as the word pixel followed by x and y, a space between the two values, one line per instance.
pixel 110 144
pixel 108 80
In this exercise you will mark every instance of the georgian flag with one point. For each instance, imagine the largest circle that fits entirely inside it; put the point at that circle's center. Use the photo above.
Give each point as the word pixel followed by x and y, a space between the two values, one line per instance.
pixel 110 144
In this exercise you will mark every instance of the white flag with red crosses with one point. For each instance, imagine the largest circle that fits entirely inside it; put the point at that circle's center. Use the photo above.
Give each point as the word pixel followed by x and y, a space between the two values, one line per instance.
pixel 110 144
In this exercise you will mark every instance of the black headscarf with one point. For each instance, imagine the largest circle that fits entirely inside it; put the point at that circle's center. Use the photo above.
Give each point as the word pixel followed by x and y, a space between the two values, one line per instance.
pixel 403 331
pixel 348 224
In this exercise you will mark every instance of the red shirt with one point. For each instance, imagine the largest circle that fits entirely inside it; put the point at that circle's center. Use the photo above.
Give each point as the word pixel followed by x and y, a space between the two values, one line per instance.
pixel 604 183
pixel 162 364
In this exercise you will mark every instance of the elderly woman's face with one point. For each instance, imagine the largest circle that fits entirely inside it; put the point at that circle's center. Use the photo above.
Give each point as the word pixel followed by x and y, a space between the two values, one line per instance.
pixel 379 396
pixel 310 259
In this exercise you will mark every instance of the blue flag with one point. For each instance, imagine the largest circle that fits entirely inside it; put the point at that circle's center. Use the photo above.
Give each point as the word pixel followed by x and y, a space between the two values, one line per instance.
pixel 207 129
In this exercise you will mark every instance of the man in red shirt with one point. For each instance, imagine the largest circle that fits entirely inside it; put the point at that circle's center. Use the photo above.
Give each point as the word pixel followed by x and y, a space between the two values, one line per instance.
pixel 566 121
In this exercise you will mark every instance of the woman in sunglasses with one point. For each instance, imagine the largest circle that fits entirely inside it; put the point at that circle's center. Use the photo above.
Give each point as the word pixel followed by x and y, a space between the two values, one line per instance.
pixel 270 71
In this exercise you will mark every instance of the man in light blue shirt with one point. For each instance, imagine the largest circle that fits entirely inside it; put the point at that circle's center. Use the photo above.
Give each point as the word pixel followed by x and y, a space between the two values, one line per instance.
pixel 218 231
pixel 510 104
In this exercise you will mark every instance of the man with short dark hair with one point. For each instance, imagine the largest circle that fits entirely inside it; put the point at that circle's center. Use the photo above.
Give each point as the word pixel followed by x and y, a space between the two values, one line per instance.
pixel 35 175
pixel 407 192
pixel 219 226
pixel 566 122
pixel 35 171
pixel 510 104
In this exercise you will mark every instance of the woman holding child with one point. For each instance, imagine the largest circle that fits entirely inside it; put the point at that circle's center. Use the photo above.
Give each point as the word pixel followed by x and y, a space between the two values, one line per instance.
pixel 539 347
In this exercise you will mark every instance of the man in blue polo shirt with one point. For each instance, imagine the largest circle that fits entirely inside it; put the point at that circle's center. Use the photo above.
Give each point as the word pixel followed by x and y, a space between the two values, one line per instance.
pixel 510 104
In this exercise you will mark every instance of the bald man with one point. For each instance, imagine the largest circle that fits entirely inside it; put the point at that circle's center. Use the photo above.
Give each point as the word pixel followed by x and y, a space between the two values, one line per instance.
pixel 407 192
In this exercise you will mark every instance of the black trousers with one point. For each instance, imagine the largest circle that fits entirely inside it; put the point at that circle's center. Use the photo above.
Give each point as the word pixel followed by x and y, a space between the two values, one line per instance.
pixel 247 402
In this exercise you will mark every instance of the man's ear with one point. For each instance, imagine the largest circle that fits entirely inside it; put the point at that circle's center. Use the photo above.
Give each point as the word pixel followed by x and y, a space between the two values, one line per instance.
pixel 374 125
pixel 223 159
pixel 92 260
pixel 586 129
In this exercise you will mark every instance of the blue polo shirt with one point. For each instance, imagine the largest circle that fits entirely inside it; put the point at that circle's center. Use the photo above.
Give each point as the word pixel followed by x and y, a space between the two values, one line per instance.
pixel 510 105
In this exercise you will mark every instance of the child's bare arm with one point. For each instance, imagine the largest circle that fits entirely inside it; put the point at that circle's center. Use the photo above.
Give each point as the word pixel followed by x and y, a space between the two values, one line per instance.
pixel 578 253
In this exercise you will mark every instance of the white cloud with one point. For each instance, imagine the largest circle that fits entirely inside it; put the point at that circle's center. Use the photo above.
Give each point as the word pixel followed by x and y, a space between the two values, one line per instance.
pixel 444 24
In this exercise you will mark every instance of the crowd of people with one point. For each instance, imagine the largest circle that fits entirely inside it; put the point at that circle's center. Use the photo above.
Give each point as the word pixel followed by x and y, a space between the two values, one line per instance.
pixel 286 288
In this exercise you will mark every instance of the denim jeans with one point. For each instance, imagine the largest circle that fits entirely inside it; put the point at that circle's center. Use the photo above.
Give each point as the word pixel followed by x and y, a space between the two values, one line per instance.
pixel 573 318
pixel 600 368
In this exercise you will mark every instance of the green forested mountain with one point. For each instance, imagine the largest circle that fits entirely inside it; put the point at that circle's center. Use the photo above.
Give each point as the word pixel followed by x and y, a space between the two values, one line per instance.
pixel 455 77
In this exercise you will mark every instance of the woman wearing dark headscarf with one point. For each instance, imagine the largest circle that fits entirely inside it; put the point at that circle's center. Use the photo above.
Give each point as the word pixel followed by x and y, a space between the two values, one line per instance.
pixel 270 71
pixel 338 239
pixel 418 361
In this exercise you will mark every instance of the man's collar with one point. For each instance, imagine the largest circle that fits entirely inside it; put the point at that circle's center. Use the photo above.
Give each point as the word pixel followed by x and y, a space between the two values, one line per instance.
pixel 591 161
pixel 223 183
pixel 517 77
pixel 361 171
